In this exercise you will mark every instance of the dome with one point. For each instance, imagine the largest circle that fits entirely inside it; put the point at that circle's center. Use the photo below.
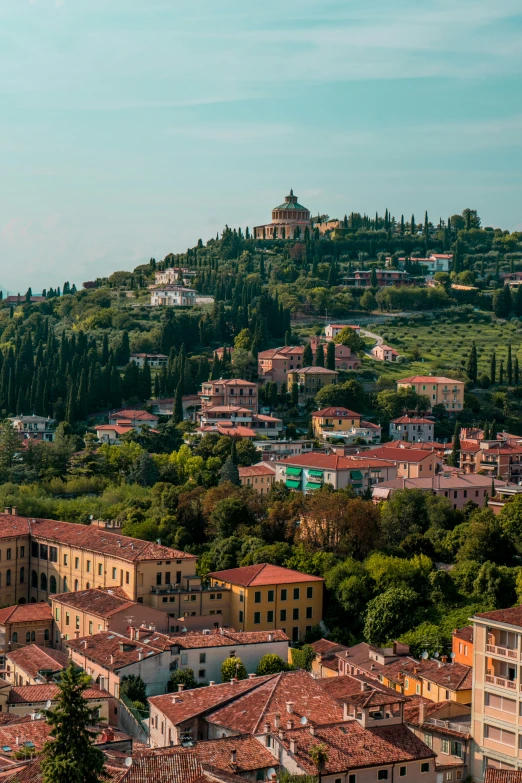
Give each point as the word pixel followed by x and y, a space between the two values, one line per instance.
pixel 291 210
pixel 291 203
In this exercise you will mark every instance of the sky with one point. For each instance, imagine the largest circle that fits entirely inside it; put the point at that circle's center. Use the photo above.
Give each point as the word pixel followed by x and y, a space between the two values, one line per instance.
pixel 131 128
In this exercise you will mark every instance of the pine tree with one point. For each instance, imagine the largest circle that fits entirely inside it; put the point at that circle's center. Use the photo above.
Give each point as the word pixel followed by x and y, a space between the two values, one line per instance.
pixel 229 472
pixel 319 356
pixel 9 445
pixel 330 356
pixel 472 367
pixel 493 368
pixel 70 755
pixel 509 367
pixel 308 357
pixel 454 457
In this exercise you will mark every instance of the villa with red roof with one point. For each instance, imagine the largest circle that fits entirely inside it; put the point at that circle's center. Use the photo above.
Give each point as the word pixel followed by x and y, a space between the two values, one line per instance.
pixel 340 424
pixel 308 472
pixel 414 429
pixel 438 389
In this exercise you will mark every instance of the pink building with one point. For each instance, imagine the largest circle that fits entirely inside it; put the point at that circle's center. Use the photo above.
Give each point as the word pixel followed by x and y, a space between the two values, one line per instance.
pixel 229 391
pixel 383 353
pixel 290 220
pixel 459 489
pixel 274 364
pixel 332 330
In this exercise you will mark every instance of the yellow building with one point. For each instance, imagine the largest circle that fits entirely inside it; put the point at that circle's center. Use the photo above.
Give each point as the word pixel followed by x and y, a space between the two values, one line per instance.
pixel 334 420
pixel 266 597
pixel 22 625
pixel 43 557
pixel 310 380
pixel 436 680
pixel 439 390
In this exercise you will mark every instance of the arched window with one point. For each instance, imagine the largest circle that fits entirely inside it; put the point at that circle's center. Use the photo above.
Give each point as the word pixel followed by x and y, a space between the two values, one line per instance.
pixel 14 637
pixel 33 600
pixel 46 635
pixel 76 588
pixel 33 636
pixel 28 637
pixel 34 579
pixel 52 584
pixel 65 588
pixel 21 600
pixel 22 575
pixel 88 586
pixel 43 582
pixel 8 576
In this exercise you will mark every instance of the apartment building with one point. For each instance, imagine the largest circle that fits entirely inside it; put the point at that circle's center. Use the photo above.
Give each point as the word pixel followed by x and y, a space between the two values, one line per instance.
pixel 412 428
pixel 34 427
pixel 458 488
pixel 24 624
pixel 337 423
pixel 362 278
pixel 229 392
pixel 497 703
pixel 495 458
pixel 25 700
pixel 173 296
pixel 439 390
pixel 33 665
pixel 270 597
pixel 435 679
pixel 260 477
pixel 410 462
pixel 310 380
pixel 462 645
pixel 308 472
pixel 174 275
pixel 370 660
pixel 156 360
pixel 43 557
pixel 235 420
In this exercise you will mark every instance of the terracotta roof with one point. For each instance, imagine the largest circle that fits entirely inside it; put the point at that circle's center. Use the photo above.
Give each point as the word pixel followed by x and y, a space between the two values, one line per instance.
pixel 7 718
pixel 25 613
pixel 332 461
pixel 264 469
pixel 412 716
pixel 33 659
pixel 458 481
pixel 411 420
pixel 347 688
pixel 100 602
pixel 113 651
pixel 34 694
pixel 317 370
pixel 359 656
pixel 512 616
pixel 90 538
pixel 502 775
pixel 325 645
pixel 35 731
pixel 252 711
pixel 263 574
pixel 32 773
pixel 394 454
pixel 171 768
pixel 251 755
pixel 120 429
pixel 428 379
pixel 386 348
pixel 350 746
pixel 201 700
pixel 225 637
pixel 336 413
pixel 133 414
pixel 412 706
pixel 453 676
pixel 465 633
pixel 285 351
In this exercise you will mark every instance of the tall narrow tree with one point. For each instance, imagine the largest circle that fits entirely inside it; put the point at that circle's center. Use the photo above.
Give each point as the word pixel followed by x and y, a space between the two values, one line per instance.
pixel 330 356
pixel 509 366
pixel 493 368
pixel 472 366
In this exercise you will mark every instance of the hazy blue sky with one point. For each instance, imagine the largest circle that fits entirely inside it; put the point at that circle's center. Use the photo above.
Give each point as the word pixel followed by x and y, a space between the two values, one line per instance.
pixel 130 128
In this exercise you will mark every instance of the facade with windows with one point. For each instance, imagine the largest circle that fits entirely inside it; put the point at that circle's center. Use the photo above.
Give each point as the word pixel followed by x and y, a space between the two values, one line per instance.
pixel 290 220
pixel 269 597
pixel 440 391
pixel 21 625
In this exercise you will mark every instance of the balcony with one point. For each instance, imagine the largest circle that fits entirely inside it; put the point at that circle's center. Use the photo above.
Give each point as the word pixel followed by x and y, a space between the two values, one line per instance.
pixel 505 652
pixel 502 682
pixel 461 728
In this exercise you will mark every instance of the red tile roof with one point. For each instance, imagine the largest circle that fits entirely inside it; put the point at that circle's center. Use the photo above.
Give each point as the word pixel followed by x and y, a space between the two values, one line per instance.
pixel 411 420
pixel 253 710
pixel 325 645
pixel 251 755
pixel 347 688
pixel 35 731
pixel 263 574
pixel 120 429
pixel 100 602
pixel 428 379
pixel 33 659
pixel 336 413
pixel 113 651
pixel 225 637
pixel 171 768
pixel 465 633
pixel 351 747
pixel 502 775
pixel 90 538
pixel 453 676
pixel 134 414
pixel 189 704
pixel 35 694
pixel 266 469
pixel 332 461
pixel 512 616
pixel 25 613
pixel 315 370
pixel 394 454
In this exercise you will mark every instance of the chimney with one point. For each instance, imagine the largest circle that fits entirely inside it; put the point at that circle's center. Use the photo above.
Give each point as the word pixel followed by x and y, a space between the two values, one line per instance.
pixel 270 637
pixel 395 648
pixel 111 658
pixel 290 724
pixel 180 686
pixel 422 712
pixel 290 707
pixel 7 510
pixel 281 734
pixel 312 730
pixel 211 682
pixel 140 655
pixel 444 659
pixel 293 746
pixel 131 632
pixel 365 686
pixel 415 669
pixel 267 728
pixel 14 511
pixel 346 654
pixel 277 721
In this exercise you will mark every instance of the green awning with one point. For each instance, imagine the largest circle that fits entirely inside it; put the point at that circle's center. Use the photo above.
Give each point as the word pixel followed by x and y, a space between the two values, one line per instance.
pixel 294 471
pixel 356 474
pixel 318 473
pixel 375 470
pixel 293 484
pixel 311 485
pixel 356 484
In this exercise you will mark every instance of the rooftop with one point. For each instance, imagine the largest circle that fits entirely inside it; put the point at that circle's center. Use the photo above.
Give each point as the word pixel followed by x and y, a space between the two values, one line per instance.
pixel 333 461
pixel 263 574
pixel 502 775
pixel 97 601
pixel 336 413
pixel 225 637
pixel 316 371
pixel 35 694
pixel 33 659
pixel 89 538
pixel 262 469
pixel 412 420
pixel 250 753
pixel 512 616
pixel 25 613
pixel 465 633
pixel 128 413
pixel 396 454
pixel 113 651
pixel 348 688
pixel 428 379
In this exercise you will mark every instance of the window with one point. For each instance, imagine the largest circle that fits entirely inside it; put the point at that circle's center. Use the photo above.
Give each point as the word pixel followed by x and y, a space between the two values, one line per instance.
pixel 295 614
pixel 308 612
pixel 8 554
pixel 202 657
pixel 66 559
pixel 402 772
pixel 90 626
pixel 257 618
pixel 52 585
pixel 284 594
pixel 34 579
pixel 100 569
pixel 28 637
pixel 67 618
pixel 240 616
pixel 382 774
pixel 428 740
pixel 8 577
pixel 456 749
pixel 425 766
pixel 22 551
pixel 296 593
pixel 352 778
pixel 241 597
pixel 257 597
pixel 44 552
pixel 167 577
pixel 445 746
pixel 14 637
pixel 270 596
pixel 34 549
pixel 76 562
pixel 77 623
pixel 309 592
pixel 22 575
pixel 202 673
pixel 282 615
pixel 178 577
pixel 418 689
pixel 127 577
pixel 428 686
pixel 270 616
pixel 43 582
pixel 158 578
pixel 53 554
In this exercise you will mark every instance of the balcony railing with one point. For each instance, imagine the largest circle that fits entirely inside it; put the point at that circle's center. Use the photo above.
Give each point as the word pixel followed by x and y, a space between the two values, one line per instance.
pixel 502 682
pixel 462 728
pixel 506 652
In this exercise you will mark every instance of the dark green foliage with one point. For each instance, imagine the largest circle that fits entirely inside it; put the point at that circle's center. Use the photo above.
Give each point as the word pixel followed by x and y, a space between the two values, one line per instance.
pixel 390 614
pixel 308 358
pixel 271 664
pixel 133 687
pixel 183 677
pixel 229 472
pixel 330 356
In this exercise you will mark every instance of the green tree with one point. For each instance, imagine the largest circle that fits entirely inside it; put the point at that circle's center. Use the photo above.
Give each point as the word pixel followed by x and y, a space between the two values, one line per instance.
pixel 349 394
pixel 271 664
pixel 509 366
pixel 319 756
pixel 454 457
pixel 308 357
pixel 70 755
pixel 319 356
pixel 246 453
pixel 472 366
pixel 295 395
pixel 373 278
pixel 183 677
pixel 330 355
pixel 349 337
pixel 133 687
pixel 390 614
pixel 303 657
pixel 233 667
pixel 177 408
pixel 229 472
pixel 368 302
pixel 493 368
pixel 9 445
pixel 502 303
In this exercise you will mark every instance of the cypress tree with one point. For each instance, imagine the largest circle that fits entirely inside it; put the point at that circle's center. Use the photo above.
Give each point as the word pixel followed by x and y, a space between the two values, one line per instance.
pixel 493 431
pixel 70 755
pixel 177 411
pixel 330 356
pixel 486 431
pixel 373 278
pixel 319 356
pixel 501 373
pixel 229 472
pixel 472 367
pixel 412 225
pixel 516 373
pixel 308 357
pixel 493 368
pixel 509 367
pixel 402 224
pixel 233 451
pixel 454 457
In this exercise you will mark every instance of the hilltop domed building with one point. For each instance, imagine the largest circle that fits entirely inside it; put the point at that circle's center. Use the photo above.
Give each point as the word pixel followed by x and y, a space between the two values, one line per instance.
pixel 289 221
